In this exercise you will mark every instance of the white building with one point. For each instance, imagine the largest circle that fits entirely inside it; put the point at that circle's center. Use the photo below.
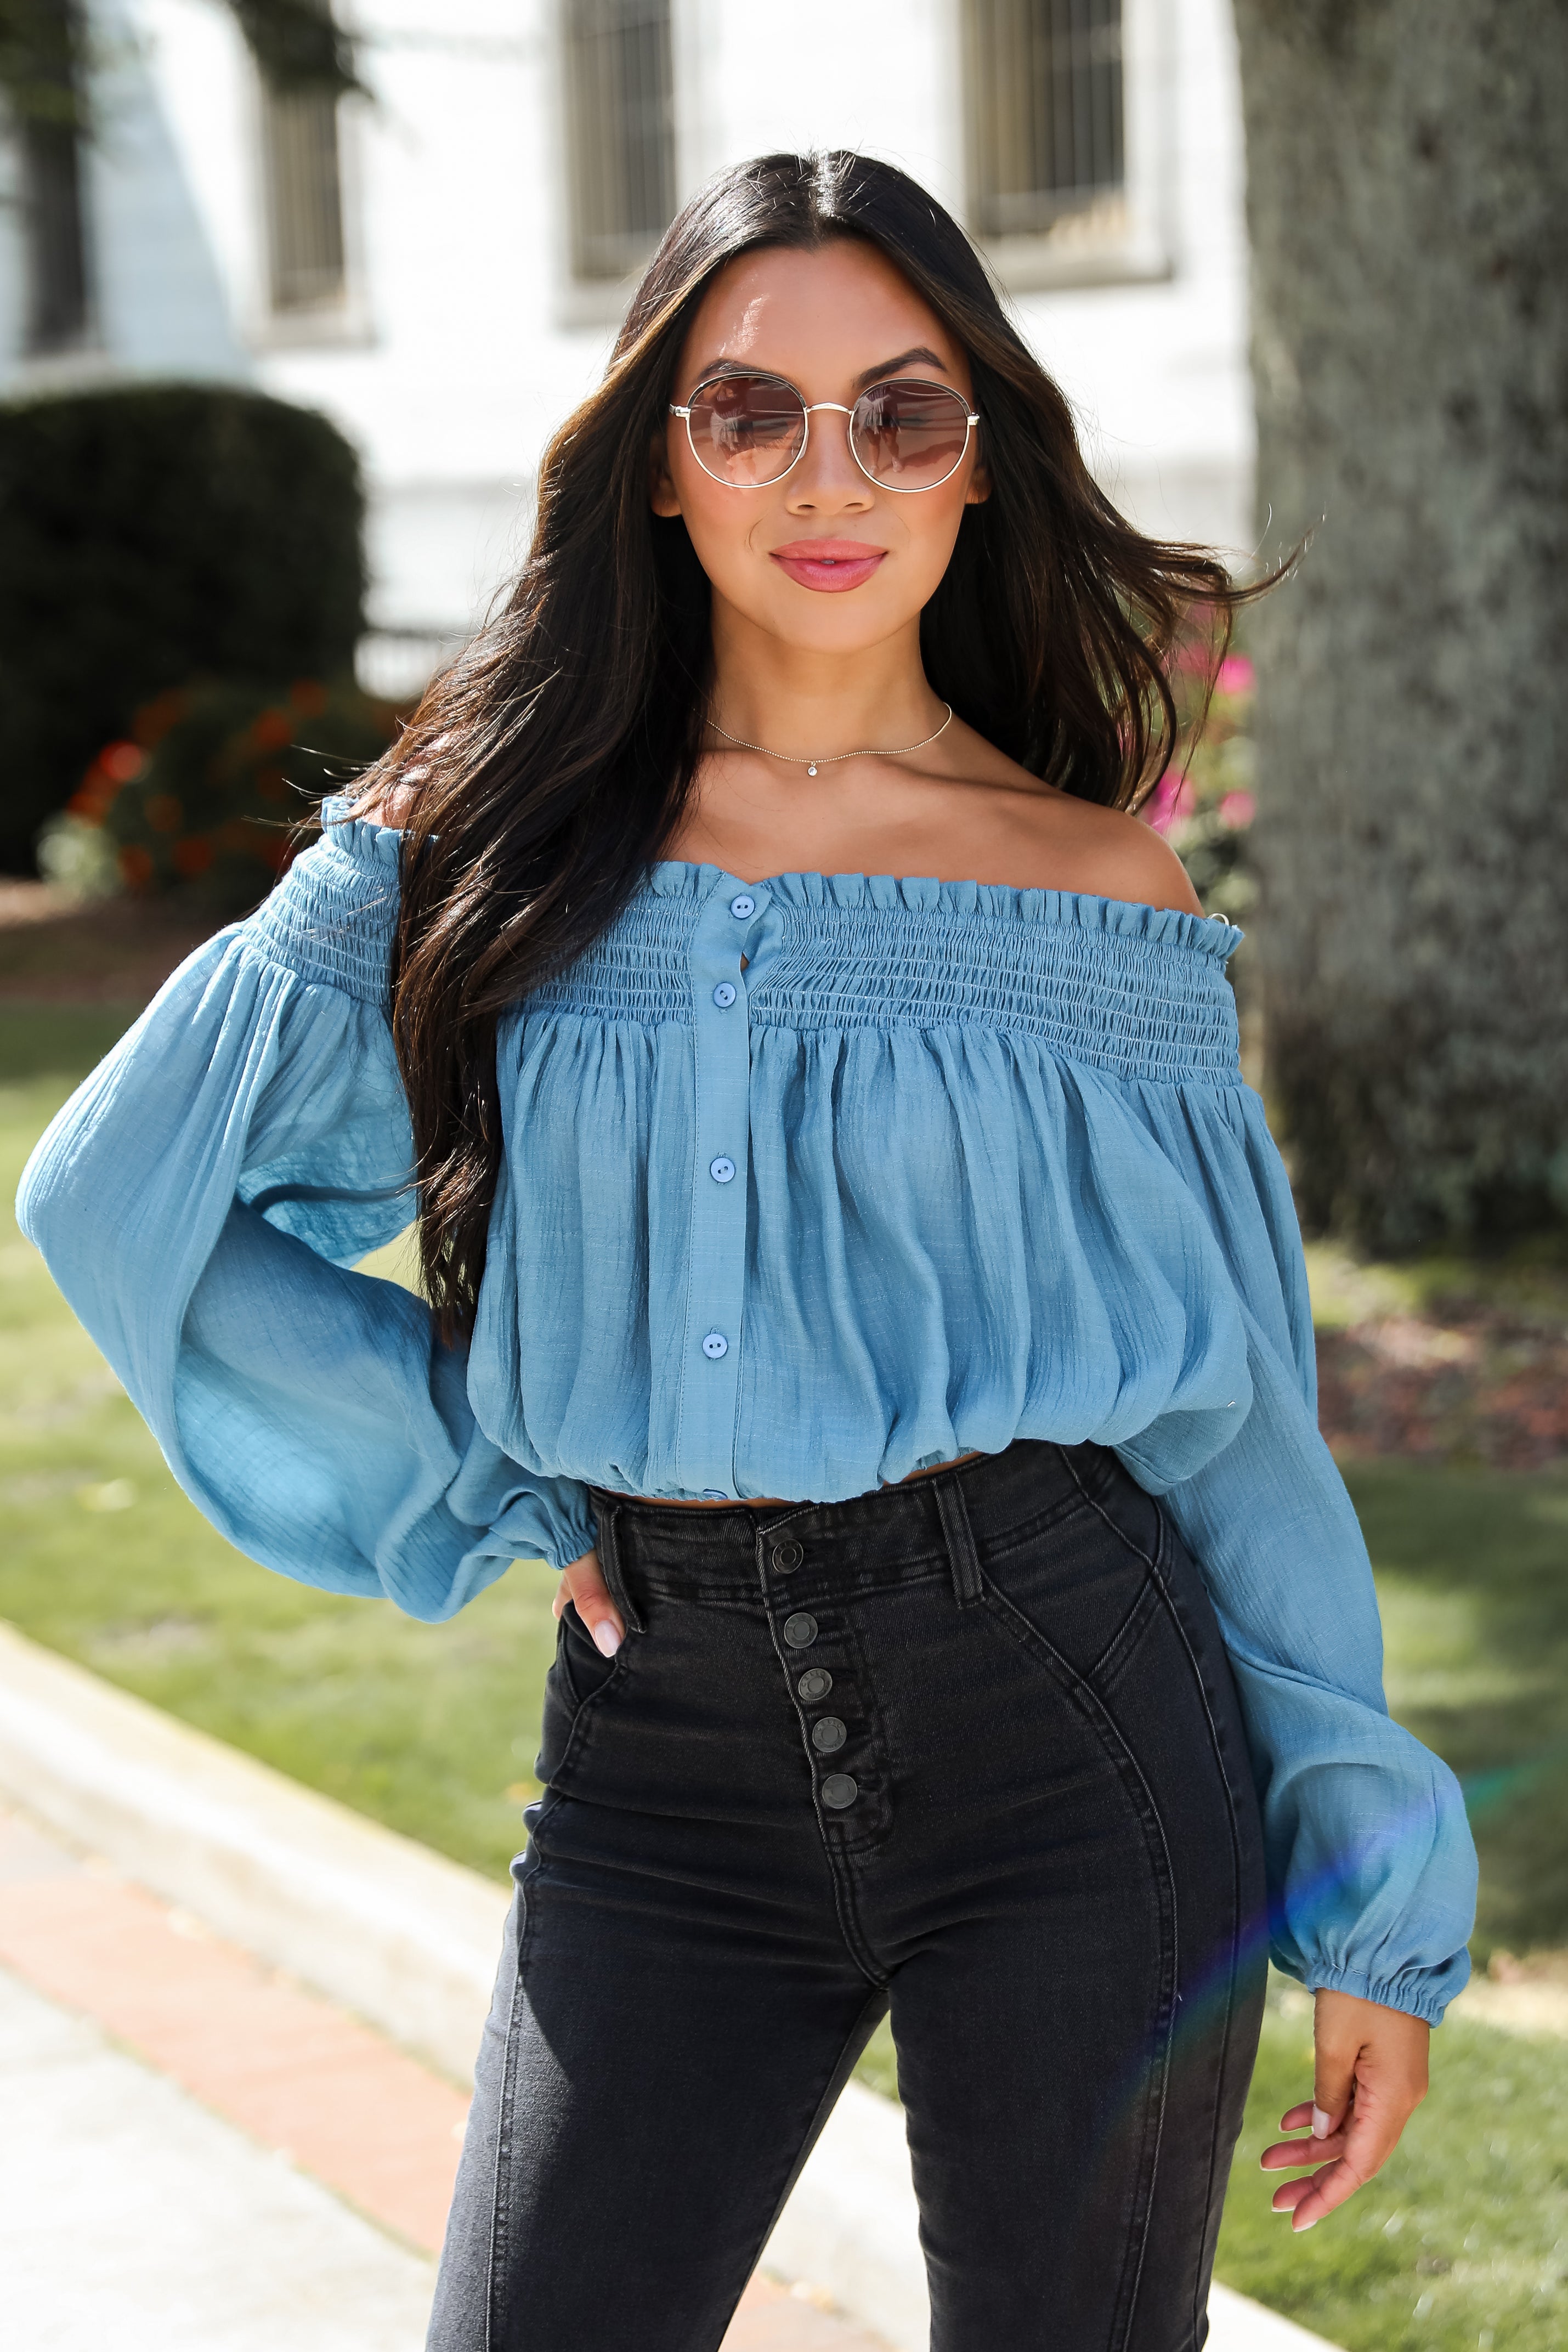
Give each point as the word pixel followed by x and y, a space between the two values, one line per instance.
pixel 439 266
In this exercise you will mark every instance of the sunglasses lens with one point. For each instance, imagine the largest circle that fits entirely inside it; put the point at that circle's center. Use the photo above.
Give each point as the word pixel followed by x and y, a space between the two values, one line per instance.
pixel 910 436
pixel 747 429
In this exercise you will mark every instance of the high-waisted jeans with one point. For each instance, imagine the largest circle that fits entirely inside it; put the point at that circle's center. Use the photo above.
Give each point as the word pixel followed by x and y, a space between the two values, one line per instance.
pixel 970 1747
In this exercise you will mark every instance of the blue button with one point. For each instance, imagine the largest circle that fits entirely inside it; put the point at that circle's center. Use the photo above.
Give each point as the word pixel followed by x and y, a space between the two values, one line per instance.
pixel 721 1169
pixel 715 1494
pixel 724 994
pixel 715 1346
pixel 742 904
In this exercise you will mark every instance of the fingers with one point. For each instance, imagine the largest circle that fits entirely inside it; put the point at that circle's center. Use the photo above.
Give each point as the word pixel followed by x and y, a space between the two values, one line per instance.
pixel 1370 2076
pixel 584 1585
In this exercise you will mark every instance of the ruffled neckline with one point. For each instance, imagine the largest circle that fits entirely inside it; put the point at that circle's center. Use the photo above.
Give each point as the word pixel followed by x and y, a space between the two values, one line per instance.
pixel 1113 919
pixel 357 837
pixel 674 877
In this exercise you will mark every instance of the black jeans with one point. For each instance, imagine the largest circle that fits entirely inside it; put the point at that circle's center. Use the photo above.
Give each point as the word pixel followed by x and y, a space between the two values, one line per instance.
pixel 970 1747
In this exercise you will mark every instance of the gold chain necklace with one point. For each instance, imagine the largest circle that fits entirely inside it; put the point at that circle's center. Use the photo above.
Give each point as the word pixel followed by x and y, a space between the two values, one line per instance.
pixel 830 759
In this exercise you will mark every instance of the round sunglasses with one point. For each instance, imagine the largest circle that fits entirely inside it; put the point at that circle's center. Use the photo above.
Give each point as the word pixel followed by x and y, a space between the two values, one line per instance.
pixel 747 431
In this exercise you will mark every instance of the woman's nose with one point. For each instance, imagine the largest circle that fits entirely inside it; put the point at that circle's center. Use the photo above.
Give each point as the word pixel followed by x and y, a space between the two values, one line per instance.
pixel 825 473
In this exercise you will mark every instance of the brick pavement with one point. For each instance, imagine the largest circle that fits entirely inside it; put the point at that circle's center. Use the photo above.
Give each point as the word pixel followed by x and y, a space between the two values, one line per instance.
pixel 295 2073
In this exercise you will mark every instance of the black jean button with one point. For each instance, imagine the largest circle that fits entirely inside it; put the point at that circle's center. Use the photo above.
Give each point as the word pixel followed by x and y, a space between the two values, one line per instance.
pixel 800 1631
pixel 788 1556
pixel 815 1683
pixel 840 1790
pixel 829 1734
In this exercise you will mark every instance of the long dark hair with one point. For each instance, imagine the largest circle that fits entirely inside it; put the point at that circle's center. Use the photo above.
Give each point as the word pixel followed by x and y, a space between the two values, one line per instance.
pixel 551 761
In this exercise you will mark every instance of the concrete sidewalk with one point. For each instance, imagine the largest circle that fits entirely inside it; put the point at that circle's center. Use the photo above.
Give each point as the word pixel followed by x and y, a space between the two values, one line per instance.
pixel 199 2153
pixel 131 2216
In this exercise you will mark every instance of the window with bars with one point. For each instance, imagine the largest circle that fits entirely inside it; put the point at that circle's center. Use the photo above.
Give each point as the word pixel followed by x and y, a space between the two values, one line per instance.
pixel 1046 102
pixel 620 132
pixel 303 200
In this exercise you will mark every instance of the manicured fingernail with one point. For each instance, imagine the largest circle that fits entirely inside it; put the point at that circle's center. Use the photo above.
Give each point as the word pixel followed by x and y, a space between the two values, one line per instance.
pixel 1309 2223
pixel 606 1640
pixel 1321 2125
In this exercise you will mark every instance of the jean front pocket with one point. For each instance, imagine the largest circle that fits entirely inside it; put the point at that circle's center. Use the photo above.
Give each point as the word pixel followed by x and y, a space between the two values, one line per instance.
pixel 573 1688
pixel 1083 1581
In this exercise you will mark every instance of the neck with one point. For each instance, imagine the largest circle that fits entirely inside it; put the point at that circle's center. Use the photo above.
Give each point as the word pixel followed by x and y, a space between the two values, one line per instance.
pixel 807 703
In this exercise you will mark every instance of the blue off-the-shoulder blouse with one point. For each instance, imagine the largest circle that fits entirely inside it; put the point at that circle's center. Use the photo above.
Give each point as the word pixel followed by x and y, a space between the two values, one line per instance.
pixel 807 1183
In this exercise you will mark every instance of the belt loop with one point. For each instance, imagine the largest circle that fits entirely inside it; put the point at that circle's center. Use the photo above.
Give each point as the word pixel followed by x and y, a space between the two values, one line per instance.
pixel 953 1513
pixel 609 1548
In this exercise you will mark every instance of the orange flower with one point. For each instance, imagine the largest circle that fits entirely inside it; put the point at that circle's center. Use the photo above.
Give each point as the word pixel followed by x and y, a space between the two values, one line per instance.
pixel 123 763
pixel 116 765
pixel 193 856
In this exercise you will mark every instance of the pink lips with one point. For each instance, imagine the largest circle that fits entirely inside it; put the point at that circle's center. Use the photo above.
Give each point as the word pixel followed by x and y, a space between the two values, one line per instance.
pixel 828 564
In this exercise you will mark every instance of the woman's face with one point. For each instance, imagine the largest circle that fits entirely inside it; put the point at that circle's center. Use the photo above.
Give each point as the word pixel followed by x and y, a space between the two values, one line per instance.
pixel 825 559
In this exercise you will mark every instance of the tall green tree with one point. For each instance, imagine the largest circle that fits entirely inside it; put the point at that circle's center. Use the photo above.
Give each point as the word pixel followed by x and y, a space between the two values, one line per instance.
pixel 1407 202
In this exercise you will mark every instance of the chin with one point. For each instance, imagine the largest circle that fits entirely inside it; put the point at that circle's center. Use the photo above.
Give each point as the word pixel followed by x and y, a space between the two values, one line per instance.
pixel 846 623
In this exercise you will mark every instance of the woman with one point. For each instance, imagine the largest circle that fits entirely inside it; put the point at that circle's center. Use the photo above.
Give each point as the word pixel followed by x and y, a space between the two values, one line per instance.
pixel 878 1297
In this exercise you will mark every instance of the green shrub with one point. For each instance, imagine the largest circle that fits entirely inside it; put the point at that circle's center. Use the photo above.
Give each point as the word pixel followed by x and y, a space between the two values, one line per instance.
pixel 205 797
pixel 150 536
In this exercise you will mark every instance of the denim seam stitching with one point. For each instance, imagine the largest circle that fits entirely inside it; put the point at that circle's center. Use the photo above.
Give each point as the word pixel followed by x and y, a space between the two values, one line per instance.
pixel 497 2284
pixel 1236 1911
pixel 1109 1667
pixel 1027 1531
pixel 1103 1723
pixel 577 1737
pixel 1173 1614
pixel 963 1555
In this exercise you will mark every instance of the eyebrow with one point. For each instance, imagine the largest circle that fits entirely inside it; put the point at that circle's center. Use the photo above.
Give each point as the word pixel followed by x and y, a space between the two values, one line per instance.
pixel 886 367
pixel 867 375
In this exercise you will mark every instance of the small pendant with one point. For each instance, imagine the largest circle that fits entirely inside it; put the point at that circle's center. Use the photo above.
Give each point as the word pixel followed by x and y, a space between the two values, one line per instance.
pixel 811 767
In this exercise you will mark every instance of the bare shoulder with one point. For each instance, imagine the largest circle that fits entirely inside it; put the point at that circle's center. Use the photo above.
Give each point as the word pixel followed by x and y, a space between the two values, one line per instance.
pixel 1037 838
pixel 1106 853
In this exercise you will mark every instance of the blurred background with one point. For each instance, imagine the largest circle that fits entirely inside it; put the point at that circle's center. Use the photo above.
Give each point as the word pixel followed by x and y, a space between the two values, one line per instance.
pixel 290 301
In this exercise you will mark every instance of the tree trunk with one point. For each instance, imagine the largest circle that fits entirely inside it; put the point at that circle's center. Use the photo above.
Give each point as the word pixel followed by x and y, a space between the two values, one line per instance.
pixel 1407 199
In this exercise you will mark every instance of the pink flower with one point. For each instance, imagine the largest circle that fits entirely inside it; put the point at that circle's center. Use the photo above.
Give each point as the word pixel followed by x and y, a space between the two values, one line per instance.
pixel 1236 674
pixel 1238 809
pixel 1170 801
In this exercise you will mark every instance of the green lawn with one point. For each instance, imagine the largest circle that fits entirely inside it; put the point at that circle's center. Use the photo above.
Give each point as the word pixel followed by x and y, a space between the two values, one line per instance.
pixel 1462 2242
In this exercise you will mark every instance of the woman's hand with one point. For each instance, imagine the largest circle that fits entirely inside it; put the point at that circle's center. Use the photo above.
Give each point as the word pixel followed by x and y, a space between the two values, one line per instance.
pixel 1369 2079
pixel 584 1585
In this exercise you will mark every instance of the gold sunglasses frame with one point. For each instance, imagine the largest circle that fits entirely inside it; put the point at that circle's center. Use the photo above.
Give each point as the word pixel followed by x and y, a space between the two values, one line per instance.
pixel 809 409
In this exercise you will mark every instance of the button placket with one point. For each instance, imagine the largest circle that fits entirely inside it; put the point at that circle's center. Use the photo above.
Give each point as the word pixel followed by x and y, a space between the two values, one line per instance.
pixel 844 1747
pixel 721 1036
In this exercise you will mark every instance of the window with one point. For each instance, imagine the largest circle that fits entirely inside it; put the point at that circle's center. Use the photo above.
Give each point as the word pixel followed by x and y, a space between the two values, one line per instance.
pixel 620 132
pixel 58 306
pixel 1046 114
pixel 303 200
